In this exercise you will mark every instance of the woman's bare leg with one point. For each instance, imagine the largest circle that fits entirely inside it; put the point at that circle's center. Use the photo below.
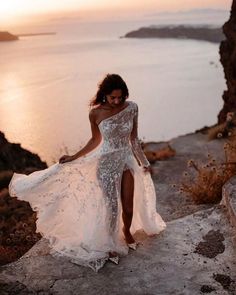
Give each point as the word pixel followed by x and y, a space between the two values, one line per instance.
pixel 127 196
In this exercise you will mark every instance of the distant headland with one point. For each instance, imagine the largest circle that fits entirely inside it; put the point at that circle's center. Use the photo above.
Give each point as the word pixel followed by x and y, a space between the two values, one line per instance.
pixel 36 34
pixel 6 36
pixel 203 33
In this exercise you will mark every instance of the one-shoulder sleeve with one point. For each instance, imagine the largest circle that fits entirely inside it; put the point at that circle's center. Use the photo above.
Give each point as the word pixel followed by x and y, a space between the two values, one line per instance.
pixel 136 142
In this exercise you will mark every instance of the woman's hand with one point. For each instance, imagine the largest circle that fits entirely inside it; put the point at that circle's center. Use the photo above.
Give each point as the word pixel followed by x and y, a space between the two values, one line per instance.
pixel 66 158
pixel 147 169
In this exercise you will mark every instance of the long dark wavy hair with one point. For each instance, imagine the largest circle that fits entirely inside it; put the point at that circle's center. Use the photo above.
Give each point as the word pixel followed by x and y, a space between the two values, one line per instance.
pixel 106 86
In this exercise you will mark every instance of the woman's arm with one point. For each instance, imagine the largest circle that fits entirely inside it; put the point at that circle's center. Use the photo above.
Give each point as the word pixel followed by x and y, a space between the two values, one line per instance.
pixel 91 144
pixel 136 145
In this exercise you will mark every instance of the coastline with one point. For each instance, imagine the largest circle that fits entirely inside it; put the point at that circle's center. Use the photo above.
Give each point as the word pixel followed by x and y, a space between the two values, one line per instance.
pixel 200 33
pixel 6 36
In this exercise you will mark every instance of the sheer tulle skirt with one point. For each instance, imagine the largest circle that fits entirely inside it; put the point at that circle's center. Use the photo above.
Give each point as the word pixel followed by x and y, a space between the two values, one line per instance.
pixel 74 207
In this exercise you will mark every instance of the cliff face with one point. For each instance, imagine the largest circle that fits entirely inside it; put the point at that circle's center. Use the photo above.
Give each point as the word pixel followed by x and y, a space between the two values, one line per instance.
pixel 228 60
pixel 14 157
pixel 17 220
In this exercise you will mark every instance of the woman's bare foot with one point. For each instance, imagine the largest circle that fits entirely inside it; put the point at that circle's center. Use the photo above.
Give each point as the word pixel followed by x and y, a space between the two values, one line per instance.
pixel 128 237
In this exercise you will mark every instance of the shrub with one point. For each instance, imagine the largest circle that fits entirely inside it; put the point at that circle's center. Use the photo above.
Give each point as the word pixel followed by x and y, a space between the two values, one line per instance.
pixel 204 181
pixel 225 129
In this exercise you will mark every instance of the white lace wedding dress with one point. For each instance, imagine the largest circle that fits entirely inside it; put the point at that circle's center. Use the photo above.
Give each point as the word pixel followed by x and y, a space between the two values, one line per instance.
pixel 78 203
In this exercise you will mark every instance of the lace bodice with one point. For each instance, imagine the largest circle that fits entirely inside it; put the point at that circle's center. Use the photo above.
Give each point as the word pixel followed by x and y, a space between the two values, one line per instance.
pixel 119 133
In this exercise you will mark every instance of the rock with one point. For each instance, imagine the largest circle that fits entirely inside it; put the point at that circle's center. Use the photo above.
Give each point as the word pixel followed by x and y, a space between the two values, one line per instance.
pixel 207 289
pixel 229 200
pixel 5 178
pixel 228 60
pixel 212 244
pixel 203 33
pixel 159 265
pixel 224 280
pixel 17 219
pixel 6 36
pixel 15 158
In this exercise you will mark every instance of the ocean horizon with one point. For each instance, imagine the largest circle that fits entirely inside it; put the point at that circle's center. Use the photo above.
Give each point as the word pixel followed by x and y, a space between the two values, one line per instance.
pixel 46 82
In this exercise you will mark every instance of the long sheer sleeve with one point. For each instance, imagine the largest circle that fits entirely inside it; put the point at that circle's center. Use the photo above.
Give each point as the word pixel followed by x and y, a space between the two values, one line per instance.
pixel 136 143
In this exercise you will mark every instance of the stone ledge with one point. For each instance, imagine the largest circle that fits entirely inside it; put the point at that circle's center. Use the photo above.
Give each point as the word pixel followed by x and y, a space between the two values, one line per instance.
pixel 175 262
pixel 229 200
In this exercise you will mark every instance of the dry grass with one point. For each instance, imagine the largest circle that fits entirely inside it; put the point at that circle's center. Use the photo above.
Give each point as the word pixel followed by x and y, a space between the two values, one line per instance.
pixel 223 130
pixel 218 131
pixel 204 181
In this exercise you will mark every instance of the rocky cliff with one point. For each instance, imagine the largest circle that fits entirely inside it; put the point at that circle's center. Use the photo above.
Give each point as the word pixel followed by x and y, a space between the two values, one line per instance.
pixel 17 220
pixel 13 157
pixel 228 60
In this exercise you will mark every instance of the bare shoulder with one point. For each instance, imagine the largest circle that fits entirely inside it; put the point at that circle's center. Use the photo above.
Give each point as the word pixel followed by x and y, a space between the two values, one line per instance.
pixel 93 113
pixel 96 113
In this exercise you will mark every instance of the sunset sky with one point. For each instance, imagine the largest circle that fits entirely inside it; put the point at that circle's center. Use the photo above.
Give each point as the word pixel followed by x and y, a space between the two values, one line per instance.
pixel 17 10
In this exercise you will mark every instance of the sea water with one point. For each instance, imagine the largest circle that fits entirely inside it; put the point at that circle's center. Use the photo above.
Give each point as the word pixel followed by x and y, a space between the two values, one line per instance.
pixel 46 82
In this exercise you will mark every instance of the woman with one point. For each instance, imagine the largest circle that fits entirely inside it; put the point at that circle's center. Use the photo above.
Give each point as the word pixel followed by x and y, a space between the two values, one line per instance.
pixel 90 203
